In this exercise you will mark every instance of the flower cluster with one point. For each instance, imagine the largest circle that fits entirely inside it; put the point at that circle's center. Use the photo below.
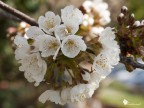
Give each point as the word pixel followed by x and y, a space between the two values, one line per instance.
pixel 96 9
pixel 56 54
pixel 96 15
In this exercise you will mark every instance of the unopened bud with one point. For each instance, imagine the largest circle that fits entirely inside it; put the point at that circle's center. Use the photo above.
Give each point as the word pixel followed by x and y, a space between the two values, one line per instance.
pixel 142 22
pixel 121 15
pixel 120 18
pixel 137 23
pixel 131 19
pixel 132 15
pixel 128 27
pixel 124 9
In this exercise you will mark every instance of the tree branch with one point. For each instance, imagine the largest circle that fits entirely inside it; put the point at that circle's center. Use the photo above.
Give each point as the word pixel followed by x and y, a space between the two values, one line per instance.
pixel 130 61
pixel 18 14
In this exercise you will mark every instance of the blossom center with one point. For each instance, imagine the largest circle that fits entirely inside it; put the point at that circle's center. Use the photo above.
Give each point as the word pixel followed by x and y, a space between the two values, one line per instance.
pixel 49 24
pixel 53 45
pixel 70 43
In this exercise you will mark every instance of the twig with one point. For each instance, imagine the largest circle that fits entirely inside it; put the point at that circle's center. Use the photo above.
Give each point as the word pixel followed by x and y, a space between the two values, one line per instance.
pixel 18 14
pixel 130 61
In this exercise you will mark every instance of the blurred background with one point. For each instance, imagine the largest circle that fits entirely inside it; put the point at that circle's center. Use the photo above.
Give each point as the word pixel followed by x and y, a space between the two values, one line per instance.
pixel 15 92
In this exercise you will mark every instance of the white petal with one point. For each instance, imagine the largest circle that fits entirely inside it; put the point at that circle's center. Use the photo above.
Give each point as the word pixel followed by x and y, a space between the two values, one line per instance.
pixel 33 32
pixel 72 45
pixel 22 52
pixel 65 95
pixel 82 91
pixel 86 76
pixel 62 31
pixel 23 48
pixel 72 27
pixel 102 64
pixel 20 41
pixel 69 13
pixel 88 5
pixel 102 9
pixel 107 34
pixel 28 77
pixel 34 67
pixel 51 95
pixel 113 55
pixel 49 45
pixel 95 31
pixel 96 77
pixel 49 22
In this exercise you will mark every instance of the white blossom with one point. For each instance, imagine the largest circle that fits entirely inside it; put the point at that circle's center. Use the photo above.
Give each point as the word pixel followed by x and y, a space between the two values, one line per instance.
pixel 34 67
pixel 33 32
pixel 53 38
pixel 86 76
pixel 101 8
pixel 51 95
pixel 82 91
pixel 23 48
pixel 101 64
pixel 137 23
pixel 72 45
pixel 95 31
pixel 71 14
pixel 107 39
pixel 36 34
pixel 110 46
pixel 109 56
pixel 49 22
pixel 93 77
pixel 88 5
pixel 62 31
pixel 49 45
pixel 72 18
pixel 65 95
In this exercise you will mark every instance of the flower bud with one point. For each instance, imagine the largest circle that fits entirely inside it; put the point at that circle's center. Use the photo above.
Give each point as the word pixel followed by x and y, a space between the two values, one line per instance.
pixel 120 18
pixel 136 24
pixel 124 9
pixel 131 19
pixel 142 22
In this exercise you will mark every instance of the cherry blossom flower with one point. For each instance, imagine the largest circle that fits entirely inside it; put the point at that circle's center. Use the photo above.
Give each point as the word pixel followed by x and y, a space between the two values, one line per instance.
pixel 72 45
pixel 109 56
pixel 101 8
pixel 72 18
pixel 23 48
pixel 35 33
pixel 51 95
pixel 71 14
pixel 49 22
pixel 64 30
pixel 82 91
pixel 49 45
pixel 34 67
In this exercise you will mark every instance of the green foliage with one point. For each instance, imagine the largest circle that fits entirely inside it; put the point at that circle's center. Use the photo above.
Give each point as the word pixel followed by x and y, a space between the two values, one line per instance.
pixel 136 6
